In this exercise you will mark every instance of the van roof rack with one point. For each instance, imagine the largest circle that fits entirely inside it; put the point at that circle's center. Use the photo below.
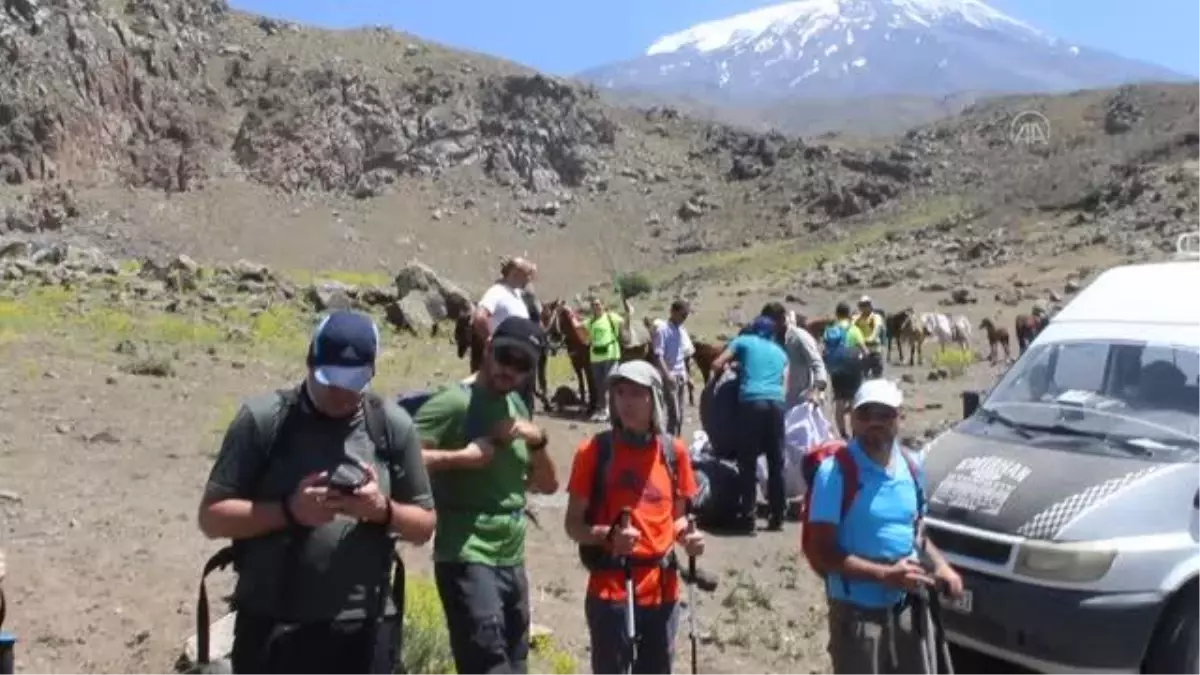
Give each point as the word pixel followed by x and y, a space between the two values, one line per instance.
pixel 1187 245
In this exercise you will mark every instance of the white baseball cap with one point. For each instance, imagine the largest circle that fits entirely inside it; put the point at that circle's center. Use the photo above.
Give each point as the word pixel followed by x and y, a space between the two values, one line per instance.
pixel 864 300
pixel 880 392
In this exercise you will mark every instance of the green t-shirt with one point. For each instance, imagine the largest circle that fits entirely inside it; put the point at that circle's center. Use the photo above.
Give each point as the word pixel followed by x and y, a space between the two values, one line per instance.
pixel 340 566
pixel 604 332
pixel 481 515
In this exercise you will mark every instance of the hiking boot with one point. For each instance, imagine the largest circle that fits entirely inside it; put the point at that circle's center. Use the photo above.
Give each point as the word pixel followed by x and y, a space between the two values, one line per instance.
pixel 774 524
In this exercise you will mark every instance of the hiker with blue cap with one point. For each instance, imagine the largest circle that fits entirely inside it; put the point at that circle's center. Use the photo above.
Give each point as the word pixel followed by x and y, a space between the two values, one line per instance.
pixel 312 484
pixel 762 366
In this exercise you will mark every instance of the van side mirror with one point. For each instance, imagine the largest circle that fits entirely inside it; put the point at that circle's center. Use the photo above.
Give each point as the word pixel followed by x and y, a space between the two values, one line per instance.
pixel 970 403
pixel 1196 500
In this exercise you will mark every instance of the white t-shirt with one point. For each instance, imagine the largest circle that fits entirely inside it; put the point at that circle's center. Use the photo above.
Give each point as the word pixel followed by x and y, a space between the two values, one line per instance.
pixel 503 302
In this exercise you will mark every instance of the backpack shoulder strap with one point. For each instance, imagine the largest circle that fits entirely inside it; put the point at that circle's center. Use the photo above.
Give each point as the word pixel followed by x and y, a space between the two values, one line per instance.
pixel 271 429
pixel 378 429
pixel 670 459
pixel 915 471
pixel 849 469
pixel 604 453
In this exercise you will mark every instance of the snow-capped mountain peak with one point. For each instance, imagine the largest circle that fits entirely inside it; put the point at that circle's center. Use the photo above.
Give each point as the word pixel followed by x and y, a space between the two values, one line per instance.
pixel 805 19
pixel 855 48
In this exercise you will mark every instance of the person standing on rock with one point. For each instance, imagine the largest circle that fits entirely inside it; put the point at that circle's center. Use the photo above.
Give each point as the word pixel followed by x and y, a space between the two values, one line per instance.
pixel 637 468
pixel 511 295
pixel 762 383
pixel 604 333
pixel 312 483
pixel 671 348
pixel 869 552
pixel 504 298
pixel 483 453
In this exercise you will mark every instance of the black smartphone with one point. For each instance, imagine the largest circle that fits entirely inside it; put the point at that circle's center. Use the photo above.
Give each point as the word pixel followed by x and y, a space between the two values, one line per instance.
pixel 347 477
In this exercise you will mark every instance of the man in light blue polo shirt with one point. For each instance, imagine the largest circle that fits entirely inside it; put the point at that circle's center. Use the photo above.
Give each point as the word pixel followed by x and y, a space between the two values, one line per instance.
pixel 869 557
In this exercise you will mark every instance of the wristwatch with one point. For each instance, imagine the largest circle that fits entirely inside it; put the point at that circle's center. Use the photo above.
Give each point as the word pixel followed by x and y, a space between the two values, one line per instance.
pixel 540 445
pixel 288 516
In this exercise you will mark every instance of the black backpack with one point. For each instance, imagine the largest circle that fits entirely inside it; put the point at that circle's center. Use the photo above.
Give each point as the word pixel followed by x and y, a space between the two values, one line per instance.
pixel 270 431
pixel 596 558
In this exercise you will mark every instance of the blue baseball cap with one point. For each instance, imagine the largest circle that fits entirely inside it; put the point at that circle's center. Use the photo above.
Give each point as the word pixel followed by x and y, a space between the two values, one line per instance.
pixel 343 349
pixel 763 326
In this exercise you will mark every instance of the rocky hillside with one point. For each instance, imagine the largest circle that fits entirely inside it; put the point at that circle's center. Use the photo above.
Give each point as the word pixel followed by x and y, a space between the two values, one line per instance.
pixel 181 97
pixel 173 126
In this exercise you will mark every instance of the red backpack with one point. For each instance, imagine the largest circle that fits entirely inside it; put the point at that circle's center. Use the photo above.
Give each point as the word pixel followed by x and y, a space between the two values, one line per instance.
pixel 838 449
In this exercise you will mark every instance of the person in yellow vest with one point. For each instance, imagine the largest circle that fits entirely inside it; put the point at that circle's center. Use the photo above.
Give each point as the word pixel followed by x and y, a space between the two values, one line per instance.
pixel 604 332
pixel 871 324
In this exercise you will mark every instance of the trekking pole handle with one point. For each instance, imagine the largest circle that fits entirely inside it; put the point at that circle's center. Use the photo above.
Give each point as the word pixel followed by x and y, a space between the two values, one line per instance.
pixel 625 518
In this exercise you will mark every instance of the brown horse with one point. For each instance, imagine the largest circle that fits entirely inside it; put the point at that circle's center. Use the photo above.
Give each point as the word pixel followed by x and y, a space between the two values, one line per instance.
pixel 895 329
pixel 704 355
pixel 467 340
pixel 565 330
pixel 1028 326
pixel 997 337
pixel 912 333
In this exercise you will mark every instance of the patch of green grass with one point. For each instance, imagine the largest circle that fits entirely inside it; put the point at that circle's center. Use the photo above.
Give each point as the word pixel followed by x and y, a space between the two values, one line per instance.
pixel 955 360
pixel 427 642
pixel 348 277
pixel 780 258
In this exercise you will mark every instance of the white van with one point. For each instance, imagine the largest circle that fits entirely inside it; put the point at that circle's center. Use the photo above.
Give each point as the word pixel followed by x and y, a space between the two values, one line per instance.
pixel 1069 499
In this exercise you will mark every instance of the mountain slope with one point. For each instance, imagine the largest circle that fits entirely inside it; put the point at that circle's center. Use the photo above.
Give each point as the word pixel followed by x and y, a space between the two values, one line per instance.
pixel 866 48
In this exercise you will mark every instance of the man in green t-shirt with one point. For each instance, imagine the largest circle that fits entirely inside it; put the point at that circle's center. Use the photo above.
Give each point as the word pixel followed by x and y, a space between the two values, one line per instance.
pixel 482 453
pixel 604 333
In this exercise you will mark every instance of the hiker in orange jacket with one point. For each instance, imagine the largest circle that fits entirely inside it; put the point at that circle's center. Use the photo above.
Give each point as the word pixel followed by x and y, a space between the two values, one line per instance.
pixel 639 470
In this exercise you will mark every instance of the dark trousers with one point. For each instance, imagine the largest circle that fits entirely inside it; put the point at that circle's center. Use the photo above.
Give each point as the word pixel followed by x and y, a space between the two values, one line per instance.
pixel 654 628
pixel 487 614
pixel 761 426
pixel 873 365
pixel 263 645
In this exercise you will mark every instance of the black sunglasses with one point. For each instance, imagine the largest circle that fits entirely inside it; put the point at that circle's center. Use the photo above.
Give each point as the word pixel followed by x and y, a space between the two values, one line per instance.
pixel 511 357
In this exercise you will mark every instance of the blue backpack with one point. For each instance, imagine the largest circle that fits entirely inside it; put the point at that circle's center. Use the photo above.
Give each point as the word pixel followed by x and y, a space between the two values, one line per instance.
pixel 835 339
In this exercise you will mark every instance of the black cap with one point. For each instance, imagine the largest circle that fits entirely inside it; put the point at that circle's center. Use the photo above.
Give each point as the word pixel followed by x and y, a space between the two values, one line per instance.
pixel 519 332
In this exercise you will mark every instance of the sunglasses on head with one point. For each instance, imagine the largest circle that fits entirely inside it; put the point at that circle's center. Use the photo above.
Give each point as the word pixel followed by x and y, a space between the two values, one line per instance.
pixel 511 357
pixel 877 412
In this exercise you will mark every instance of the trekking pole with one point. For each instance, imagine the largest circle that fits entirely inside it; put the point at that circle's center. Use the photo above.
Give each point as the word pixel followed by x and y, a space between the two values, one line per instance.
pixel 630 627
pixel 939 631
pixel 691 585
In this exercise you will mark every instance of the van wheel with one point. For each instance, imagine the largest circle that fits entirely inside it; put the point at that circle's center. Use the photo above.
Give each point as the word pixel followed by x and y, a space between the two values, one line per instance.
pixel 1176 644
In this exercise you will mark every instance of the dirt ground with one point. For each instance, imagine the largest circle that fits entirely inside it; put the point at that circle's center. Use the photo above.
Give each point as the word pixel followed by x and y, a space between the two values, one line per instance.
pixel 102 472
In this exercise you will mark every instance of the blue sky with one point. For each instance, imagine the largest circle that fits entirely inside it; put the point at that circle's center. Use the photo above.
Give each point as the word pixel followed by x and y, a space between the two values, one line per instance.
pixel 566 36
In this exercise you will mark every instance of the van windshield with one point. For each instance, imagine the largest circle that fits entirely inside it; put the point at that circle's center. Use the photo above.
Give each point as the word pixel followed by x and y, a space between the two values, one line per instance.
pixel 1144 392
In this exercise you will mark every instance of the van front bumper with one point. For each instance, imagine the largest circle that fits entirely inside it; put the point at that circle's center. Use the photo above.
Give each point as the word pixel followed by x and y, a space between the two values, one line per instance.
pixel 1054 630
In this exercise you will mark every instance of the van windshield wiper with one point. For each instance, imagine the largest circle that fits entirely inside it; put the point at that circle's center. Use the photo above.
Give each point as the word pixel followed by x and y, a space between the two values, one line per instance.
pixel 992 416
pixel 1128 444
pixel 1029 431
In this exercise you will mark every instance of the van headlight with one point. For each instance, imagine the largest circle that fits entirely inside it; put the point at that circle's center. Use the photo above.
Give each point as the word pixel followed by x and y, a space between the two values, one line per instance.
pixel 1064 562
